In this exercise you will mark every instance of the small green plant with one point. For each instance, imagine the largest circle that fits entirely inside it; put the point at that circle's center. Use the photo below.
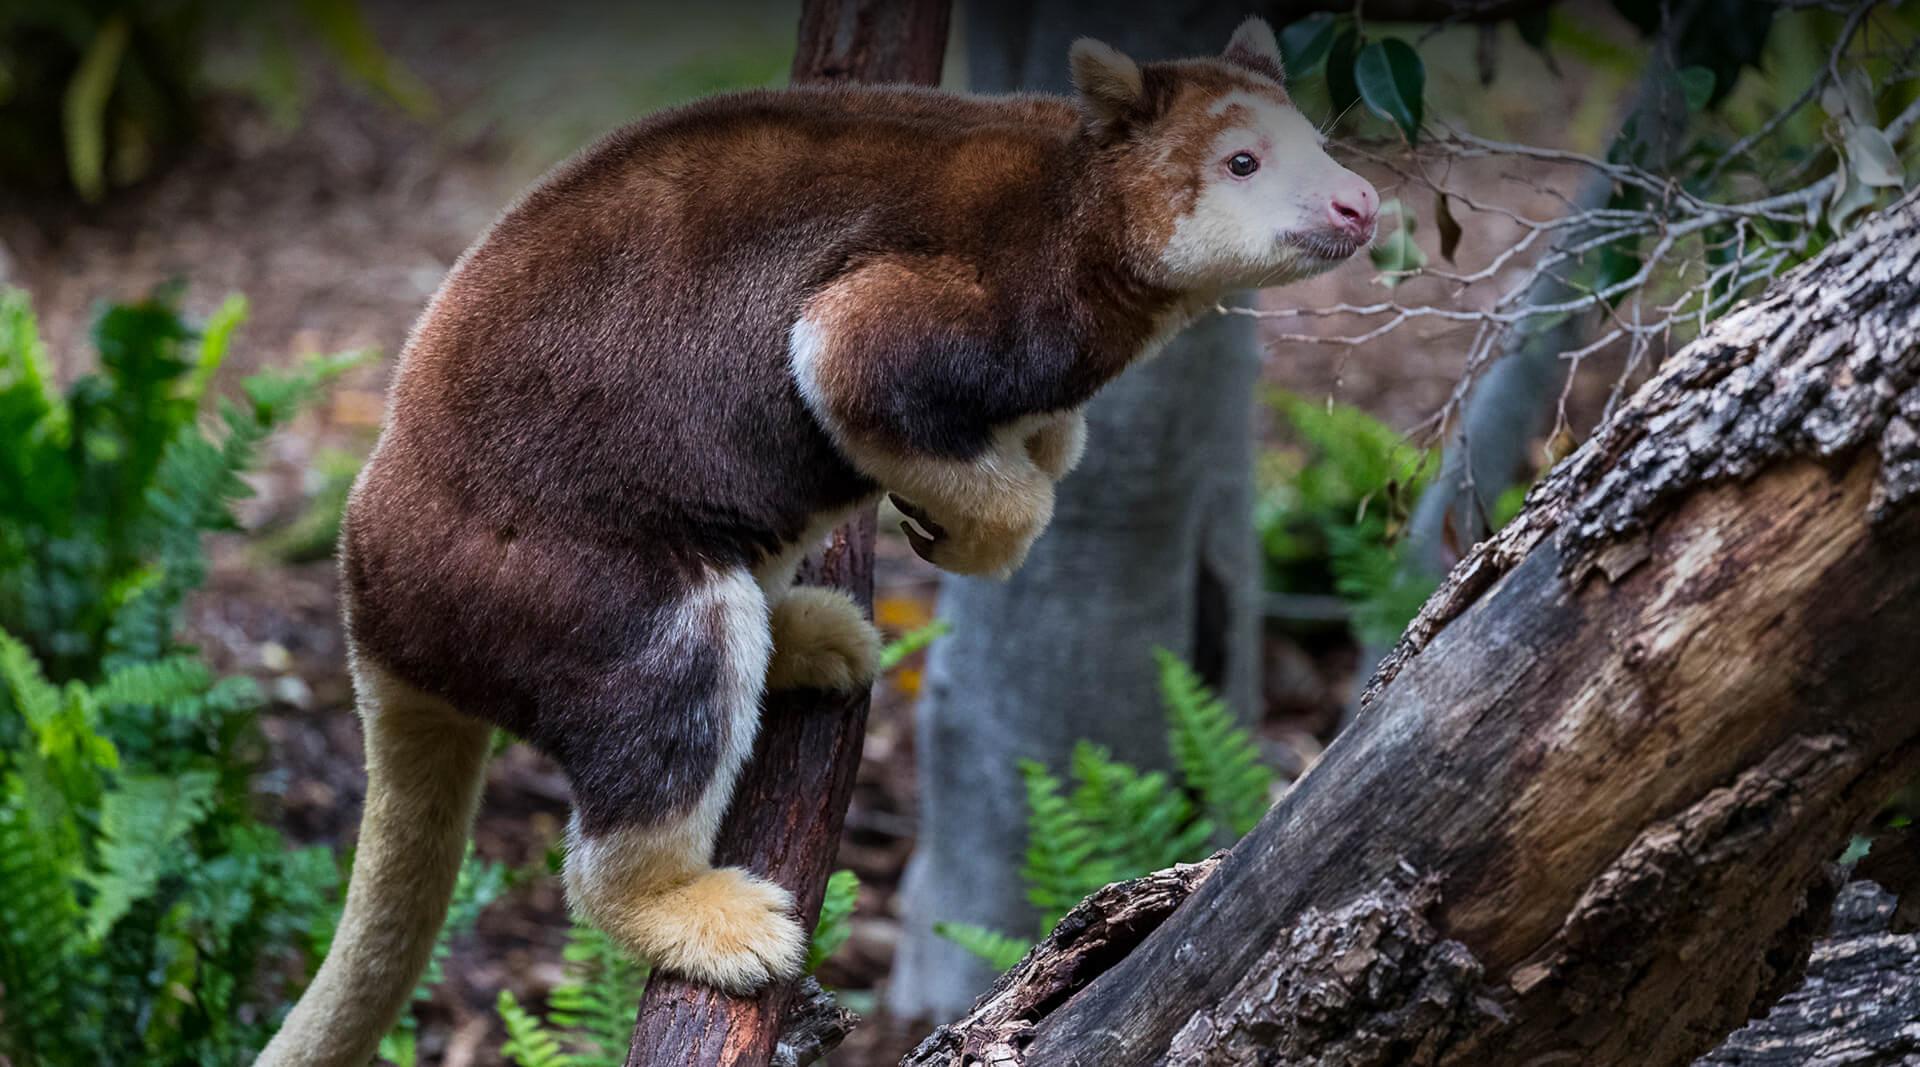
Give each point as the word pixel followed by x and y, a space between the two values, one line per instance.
pixel 898 649
pixel 591 1013
pixel 146 915
pixel 1118 822
pixel 1330 514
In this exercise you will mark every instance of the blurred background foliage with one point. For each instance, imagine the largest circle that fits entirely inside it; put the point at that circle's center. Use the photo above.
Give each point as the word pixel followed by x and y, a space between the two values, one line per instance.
pixel 95 93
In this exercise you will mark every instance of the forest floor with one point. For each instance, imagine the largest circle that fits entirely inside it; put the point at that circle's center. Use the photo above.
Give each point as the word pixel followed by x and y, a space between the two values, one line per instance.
pixel 337 231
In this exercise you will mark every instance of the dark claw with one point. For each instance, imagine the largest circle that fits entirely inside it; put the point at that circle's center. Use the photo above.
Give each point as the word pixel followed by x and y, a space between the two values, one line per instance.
pixel 919 515
pixel 922 544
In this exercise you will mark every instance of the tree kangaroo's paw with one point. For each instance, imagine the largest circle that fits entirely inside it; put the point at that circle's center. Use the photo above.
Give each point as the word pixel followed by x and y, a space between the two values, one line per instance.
pixel 821 641
pixel 969 547
pixel 726 928
pixel 1056 448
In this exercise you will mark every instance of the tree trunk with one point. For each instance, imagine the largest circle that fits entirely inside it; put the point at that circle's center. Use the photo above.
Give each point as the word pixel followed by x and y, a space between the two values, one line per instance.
pixel 1152 544
pixel 792 796
pixel 1859 1005
pixel 1588 814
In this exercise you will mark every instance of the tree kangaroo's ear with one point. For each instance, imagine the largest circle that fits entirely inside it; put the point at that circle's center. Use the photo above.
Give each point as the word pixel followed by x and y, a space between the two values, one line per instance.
pixel 1253 46
pixel 1109 83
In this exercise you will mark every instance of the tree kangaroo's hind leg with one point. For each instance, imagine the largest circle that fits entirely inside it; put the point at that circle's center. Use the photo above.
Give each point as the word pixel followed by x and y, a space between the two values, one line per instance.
pixel 651 788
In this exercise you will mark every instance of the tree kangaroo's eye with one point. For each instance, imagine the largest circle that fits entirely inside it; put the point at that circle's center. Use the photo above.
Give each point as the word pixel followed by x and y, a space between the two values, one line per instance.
pixel 1242 164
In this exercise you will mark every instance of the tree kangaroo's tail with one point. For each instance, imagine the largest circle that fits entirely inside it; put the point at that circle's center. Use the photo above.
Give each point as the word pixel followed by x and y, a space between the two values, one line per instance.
pixel 425 766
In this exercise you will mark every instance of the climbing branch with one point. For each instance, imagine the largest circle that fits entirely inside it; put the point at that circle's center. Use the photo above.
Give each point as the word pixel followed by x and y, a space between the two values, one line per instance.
pixel 1588 813
pixel 792 796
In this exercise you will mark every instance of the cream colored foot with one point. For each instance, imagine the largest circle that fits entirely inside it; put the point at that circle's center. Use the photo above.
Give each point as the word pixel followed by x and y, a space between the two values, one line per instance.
pixel 821 641
pixel 720 927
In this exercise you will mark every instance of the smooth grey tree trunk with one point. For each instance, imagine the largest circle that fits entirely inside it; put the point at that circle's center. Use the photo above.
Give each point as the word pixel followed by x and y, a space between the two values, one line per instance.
pixel 1152 544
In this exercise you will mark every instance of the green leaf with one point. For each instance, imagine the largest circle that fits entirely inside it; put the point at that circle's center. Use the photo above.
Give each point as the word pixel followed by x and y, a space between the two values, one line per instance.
pixel 214 341
pixel 140 822
pixel 1392 80
pixel 83 112
pixel 1398 256
pixel 1696 85
pixel 836 913
pixel 1304 43
pixel 1001 951
pixel 1341 89
pixel 343 28
pixel 1218 759
pixel 912 641
pixel 529 1043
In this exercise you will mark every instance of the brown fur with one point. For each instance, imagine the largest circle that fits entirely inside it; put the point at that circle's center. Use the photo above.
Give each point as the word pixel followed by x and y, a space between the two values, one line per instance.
pixel 657 380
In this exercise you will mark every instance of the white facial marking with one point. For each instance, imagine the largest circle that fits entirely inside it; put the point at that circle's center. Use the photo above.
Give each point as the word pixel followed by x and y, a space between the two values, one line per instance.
pixel 1242 229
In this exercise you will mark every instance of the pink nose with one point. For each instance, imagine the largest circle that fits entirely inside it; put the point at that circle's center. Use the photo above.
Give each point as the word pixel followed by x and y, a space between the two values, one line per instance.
pixel 1351 210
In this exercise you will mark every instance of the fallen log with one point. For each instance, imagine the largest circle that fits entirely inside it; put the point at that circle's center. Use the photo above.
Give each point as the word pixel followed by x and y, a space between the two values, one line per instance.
pixel 1589 811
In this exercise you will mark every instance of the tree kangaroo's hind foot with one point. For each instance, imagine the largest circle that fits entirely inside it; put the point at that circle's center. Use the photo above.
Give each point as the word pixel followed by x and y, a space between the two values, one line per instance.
pixel 821 640
pixel 660 901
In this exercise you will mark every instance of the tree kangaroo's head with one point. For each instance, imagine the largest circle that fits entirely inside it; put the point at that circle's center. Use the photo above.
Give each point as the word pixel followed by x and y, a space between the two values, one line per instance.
pixel 1220 182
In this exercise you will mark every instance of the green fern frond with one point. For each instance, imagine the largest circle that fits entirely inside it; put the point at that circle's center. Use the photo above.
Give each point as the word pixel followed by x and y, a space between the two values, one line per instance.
pixel 912 641
pixel 157 683
pixel 140 822
pixel 836 918
pixel 1218 760
pixel 1140 822
pixel 34 697
pixel 1062 864
pixel 1001 951
pixel 529 1042
pixel 215 339
pixel 1385 593
pixel 42 949
pixel 595 1003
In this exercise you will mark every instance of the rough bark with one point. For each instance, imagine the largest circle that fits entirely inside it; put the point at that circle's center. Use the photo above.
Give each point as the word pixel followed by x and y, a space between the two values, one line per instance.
pixel 1099 930
pixel 1588 814
pixel 1152 544
pixel 1859 1005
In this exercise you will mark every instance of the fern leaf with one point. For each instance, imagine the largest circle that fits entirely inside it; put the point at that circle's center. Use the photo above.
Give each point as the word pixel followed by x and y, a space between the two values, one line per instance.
pixel 215 338
pixel 1217 759
pixel 836 915
pixel 38 700
pixel 1062 865
pixel 139 823
pixel 157 683
pixel 529 1043
pixel 1138 820
pixel 910 642
pixel 595 1003
pixel 1001 951
pixel 41 946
